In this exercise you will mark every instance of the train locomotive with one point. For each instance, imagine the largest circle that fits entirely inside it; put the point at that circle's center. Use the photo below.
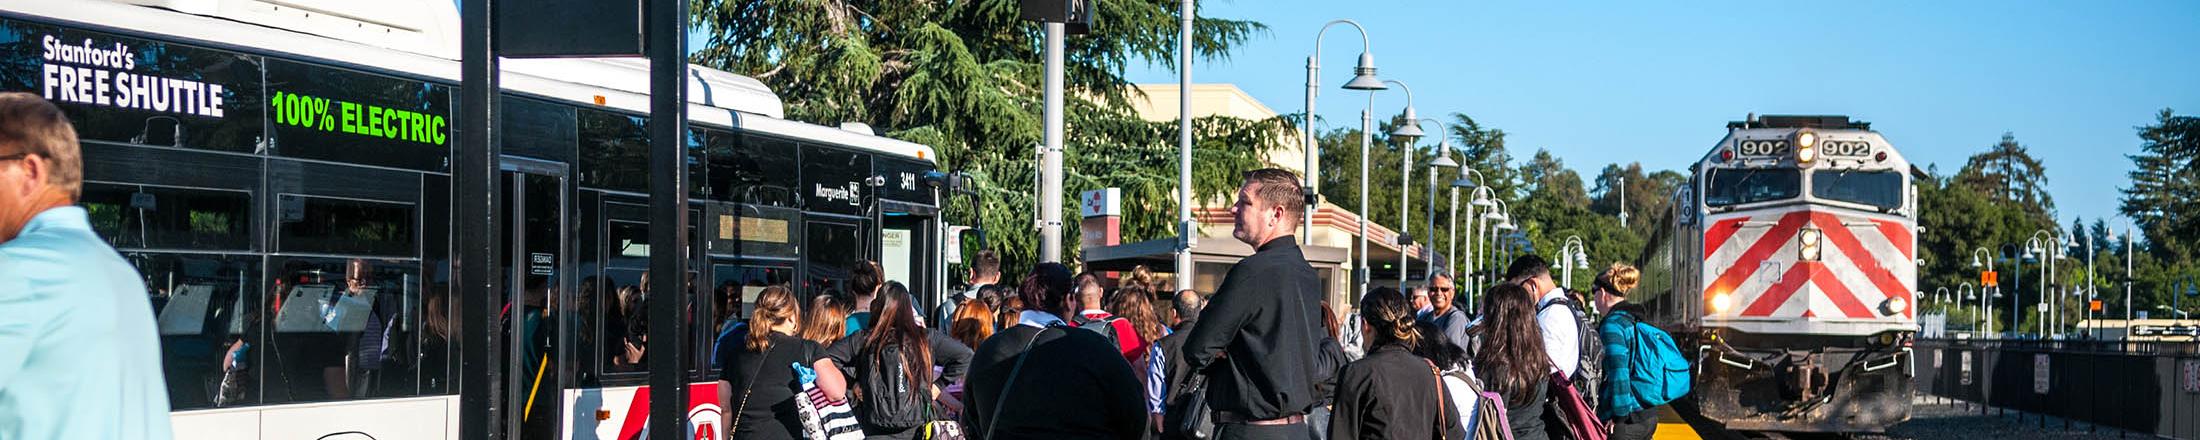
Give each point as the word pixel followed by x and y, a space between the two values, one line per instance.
pixel 1788 262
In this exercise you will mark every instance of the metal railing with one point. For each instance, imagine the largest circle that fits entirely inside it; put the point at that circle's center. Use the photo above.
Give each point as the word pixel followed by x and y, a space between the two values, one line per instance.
pixel 2139 386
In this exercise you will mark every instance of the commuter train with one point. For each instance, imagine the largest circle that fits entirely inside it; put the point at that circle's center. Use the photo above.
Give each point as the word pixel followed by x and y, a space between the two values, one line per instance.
pixel 279 172
pixel 1787 262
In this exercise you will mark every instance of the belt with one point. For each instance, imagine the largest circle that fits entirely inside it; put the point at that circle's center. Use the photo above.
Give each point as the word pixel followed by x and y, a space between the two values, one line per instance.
pixel 1231 418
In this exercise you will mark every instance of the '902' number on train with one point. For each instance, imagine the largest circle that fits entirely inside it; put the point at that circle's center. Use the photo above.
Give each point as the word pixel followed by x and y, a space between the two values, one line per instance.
pixel 1763 148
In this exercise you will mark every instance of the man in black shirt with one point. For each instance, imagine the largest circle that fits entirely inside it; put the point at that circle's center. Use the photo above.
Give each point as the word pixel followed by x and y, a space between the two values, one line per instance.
pixel 1256 341
pixel 1040 378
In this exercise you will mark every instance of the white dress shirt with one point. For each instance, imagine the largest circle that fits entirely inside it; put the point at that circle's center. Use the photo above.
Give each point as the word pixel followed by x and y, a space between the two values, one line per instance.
pixel 1561 333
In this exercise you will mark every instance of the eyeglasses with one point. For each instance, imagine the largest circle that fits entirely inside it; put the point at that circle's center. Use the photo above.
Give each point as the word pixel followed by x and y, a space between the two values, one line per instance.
pixel 15 156
pixel 1443 289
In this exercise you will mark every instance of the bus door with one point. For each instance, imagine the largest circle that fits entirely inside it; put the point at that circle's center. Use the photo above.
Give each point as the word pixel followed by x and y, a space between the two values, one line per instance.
pixel 531 311
pixel 906 245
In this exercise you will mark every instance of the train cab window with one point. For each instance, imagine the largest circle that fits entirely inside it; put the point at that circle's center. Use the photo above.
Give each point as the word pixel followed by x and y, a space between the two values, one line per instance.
pixel 345 328
pixel 1731 186
pixel 346 226
pixel 202 304
pixel 1881 188
pixel 131 216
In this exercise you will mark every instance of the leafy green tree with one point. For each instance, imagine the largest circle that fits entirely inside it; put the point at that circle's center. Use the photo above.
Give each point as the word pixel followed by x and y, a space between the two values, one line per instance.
pixel 965 77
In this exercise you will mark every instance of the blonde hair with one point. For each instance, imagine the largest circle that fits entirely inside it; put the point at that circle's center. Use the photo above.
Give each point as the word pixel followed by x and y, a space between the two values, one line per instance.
pixel 1619 279
pixel 774 306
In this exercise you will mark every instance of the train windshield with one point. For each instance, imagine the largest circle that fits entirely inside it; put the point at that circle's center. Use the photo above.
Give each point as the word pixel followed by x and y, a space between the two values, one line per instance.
pixel 1880 188
pixel 1738 186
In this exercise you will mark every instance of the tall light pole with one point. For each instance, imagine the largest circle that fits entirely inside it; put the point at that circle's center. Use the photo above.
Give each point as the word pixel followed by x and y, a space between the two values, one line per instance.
pixel 1452 254
pixel 1184 229
pixel 2040 243
pixel 1623 202
pixel 1968 292
pixel 1443 160
pixel 1503 218
pixel 1050 155
pixel 1573 254
pixel 1978 255
pixel 1363 78
pixel 1409 130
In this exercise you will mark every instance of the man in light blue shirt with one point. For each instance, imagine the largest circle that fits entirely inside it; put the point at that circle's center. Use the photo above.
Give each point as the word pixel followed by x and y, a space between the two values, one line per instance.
pixel 79 354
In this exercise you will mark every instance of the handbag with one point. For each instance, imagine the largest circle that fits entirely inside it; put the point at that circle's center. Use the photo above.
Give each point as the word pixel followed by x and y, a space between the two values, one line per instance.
pixel 936 429
pixel 1443 398
pixel 823 418
pixel 1581 422
pixel 1192 419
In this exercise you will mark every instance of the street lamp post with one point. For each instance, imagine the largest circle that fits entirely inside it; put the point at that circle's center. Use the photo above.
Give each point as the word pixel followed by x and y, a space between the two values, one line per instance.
pixel 1363 78
pixel 1969 292
pixel 1443 160
pixel 1573 254
pixel 1500 214
pixel 1977 256
pixel 1409 130
pixel 1452 255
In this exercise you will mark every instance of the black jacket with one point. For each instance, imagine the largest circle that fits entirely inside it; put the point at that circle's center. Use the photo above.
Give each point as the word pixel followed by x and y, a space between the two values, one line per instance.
pixel 1074 385
pixel 1257 338
pixel 1175 373
pixel 1392 394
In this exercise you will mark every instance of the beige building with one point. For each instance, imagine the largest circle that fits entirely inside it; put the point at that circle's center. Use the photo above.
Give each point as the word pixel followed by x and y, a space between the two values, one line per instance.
pixel 1335 232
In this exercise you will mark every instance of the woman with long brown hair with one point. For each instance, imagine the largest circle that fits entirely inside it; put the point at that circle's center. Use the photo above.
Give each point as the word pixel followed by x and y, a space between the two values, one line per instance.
pixel 972 323
pixel 1511 361
pixel 755 376
pixel 1391 393
pixel 890 365
pixel 826 320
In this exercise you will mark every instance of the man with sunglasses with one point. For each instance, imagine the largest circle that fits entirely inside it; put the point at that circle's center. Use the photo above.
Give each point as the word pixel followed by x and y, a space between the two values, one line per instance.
pixel 79 354
pixel 1443 314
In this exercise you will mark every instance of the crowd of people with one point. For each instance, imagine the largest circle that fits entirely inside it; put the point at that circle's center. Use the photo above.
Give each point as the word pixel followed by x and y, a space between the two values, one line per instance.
pixel 1060 355
pixel 1049 355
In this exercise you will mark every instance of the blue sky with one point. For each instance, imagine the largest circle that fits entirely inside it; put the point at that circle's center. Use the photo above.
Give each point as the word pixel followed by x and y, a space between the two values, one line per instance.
pixel 1655 82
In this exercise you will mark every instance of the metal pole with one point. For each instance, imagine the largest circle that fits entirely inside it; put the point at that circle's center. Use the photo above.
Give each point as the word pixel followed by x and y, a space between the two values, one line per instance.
pixel 1184 227
pixel 473 176
pixel 668 183
pixel 1050 171
pixel 1367 137
pixel 1623 202
pixel 1451 251
pixel 1405 197
pixel 2127 281
pixel 1428 271
pixel 1306 140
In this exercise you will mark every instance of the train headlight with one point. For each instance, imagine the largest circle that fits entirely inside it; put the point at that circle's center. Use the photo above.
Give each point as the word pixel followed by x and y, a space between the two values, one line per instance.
pixel 1808 241
pixel 1806 146
pixel 1721 302
pixel 1895 306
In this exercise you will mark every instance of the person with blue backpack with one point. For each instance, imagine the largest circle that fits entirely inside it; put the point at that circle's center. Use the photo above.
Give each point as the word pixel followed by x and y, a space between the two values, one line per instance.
pixel 1643 369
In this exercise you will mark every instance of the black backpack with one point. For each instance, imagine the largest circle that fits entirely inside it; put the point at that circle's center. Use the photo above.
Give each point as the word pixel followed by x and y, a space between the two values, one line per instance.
pixel 1590 374
pixel 884 397
pixel 1106 328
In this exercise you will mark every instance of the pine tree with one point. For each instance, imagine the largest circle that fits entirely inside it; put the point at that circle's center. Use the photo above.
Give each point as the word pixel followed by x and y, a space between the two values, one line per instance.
pixel 965 78
pixel 2164 197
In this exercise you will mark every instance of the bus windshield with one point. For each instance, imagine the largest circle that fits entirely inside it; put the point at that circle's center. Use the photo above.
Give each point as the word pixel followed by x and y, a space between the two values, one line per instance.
pixel 1738 186
pixel 1881 188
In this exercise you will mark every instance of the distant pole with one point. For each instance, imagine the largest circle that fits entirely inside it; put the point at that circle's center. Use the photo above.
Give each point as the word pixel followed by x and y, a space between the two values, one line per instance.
pixel 668 204
pixel 1623 201
pixel 1367 137
pixel 2127 281
pixel 474 166
pixel 1184 229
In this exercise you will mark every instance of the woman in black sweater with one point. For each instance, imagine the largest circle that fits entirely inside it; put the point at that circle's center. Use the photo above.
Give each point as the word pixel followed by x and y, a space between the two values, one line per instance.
pixel 889 367
pixel 1392 393
pixel 1511 361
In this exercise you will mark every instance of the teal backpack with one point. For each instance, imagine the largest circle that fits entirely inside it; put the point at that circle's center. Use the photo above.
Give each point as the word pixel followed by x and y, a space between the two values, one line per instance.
pixel 1659 373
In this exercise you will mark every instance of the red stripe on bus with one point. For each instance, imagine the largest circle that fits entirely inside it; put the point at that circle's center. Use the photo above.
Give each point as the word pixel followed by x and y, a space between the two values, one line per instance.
pixel 1859 257
pixel 637 415
pixel 1779 293
pixel 1899 235
pixel 1747 264
pixel 1719 232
